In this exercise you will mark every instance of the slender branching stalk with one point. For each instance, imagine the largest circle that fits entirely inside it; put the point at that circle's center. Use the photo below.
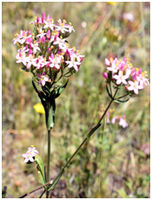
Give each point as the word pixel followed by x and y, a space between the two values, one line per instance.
pixel 48 159
pixel 86 139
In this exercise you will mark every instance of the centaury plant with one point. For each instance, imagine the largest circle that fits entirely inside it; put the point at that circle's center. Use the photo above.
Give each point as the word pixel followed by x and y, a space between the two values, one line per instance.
pixel 46 54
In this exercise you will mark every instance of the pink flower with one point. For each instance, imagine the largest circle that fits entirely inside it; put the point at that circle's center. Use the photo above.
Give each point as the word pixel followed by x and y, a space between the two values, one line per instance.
pixel 49 23
pixel 29 155
pixel 61 43
pixel 41 33
pixel 15 40
pixel 21 58
pixel 73 63
pixel 114 119
pixel 55 61
pixel 23 36
pixel 107 62
pixel 43 79
pixel 121 78
pixel 54 36
pixel 80 57
pixel 35 47
pixel 70 28
pixel 134 86
pixel 129 16
pixel 30 61
pixel 114 66
pixel 123 122
pixel 142 79
pixel 32 150
pixel 61 26
pixel 29 40
pixel 39 62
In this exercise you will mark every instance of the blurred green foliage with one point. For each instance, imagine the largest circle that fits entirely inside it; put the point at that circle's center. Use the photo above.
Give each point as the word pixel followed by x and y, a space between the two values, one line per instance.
pixel 118 167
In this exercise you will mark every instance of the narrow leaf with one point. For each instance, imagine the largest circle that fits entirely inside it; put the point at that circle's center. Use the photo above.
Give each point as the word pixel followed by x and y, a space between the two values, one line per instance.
pixel 41 169
pixel 51 114
pixel 119 101
pixel 60 89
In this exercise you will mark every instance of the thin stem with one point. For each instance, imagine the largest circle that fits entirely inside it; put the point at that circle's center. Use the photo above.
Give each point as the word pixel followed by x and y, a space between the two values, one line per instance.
pixel 42 193
pixel 48 160
pixel 35 190
pixel 101 161
pixel 87 137
pixel 123 96
pixel 110 89
pixel 108 107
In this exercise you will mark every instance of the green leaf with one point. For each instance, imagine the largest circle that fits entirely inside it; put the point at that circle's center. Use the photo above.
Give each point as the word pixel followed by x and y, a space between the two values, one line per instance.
pixel 41 169
pixel 119 101
pixel 50 112
pixel 60 89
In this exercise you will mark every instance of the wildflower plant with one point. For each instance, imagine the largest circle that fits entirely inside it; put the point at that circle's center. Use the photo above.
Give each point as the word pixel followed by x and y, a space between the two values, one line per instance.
pixel 46 54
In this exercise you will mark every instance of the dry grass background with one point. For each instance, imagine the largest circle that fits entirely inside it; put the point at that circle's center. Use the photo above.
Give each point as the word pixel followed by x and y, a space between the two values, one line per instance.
pixel 100 31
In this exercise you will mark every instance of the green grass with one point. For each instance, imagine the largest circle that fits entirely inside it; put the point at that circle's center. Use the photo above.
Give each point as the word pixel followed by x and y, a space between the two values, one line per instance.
pixel 100 31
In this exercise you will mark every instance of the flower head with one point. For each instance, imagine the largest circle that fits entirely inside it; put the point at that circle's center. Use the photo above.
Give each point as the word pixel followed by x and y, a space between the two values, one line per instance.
pixel 46 51
pixel 29 155
pixel 125 75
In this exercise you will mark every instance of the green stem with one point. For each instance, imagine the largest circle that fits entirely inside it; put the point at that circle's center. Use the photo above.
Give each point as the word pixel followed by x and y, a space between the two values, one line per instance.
pixel 62 170
pixel 101 160
pixel 48 160
pixel 107 107
pixel 123 96
pixel 87 137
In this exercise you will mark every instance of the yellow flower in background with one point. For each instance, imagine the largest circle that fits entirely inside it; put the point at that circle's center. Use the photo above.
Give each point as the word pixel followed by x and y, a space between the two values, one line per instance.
pixel 39 108
pixel 112 3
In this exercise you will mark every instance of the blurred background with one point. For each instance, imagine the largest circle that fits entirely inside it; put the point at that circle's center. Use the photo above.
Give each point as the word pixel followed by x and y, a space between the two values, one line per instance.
pixel 117 167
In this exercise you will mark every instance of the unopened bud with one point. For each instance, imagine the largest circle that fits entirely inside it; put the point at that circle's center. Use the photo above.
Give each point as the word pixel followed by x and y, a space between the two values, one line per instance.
pixel 105 75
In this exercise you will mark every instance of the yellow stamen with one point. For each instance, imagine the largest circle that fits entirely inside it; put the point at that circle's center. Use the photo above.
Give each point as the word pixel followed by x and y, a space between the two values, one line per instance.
pixel 74 48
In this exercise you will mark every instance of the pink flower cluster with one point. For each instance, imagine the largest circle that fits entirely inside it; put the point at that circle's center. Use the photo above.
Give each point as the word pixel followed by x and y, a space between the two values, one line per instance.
pixel 46 49
pixel 29 155
pixel 125 74
pixel 120 120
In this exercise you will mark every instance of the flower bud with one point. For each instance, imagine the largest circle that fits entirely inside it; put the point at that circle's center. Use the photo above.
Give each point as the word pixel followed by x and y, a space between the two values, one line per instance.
pixel 43 39
pixel 38 20
pixel 48 34
pixel 43 17
pixel 105 75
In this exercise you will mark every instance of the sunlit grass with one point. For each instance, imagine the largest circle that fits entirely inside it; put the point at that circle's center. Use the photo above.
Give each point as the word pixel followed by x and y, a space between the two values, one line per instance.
pixel 124 167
